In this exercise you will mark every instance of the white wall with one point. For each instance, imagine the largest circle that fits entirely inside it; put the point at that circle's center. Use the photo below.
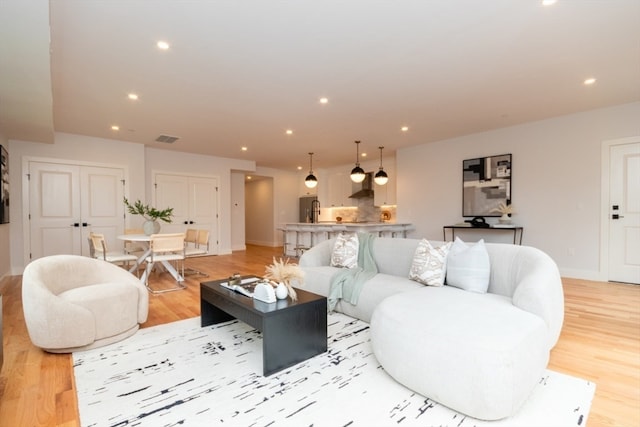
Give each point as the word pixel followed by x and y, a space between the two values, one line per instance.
pixel 238 212
pixel 285 197
pixel 139 163
pixel 259 224
pixel 79 149
pixel 555 178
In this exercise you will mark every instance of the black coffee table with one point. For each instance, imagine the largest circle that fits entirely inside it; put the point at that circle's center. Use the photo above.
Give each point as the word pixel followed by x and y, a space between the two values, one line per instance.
pixel 291 331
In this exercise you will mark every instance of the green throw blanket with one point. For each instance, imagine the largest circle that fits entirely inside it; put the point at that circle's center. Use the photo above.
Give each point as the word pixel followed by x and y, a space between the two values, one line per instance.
pixel 347 284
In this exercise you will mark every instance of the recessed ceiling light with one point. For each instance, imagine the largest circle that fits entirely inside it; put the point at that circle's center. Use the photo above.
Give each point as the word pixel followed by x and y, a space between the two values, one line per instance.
pixel 115 127
pixel 548 2
pixel 244 148
pixel 299 168
pixel 162 45
pixel 133 96
pixel 589 81
pixel 249 177
pixel 324 100
pixel 404 128
pixel 289 132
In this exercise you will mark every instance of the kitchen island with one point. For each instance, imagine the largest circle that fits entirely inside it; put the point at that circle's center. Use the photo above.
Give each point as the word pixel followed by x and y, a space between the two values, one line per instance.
pixel 300 236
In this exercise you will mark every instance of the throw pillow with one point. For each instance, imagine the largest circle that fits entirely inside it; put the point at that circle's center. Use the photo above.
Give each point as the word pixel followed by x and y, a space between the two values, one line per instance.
pixel 429 263
pixel 468 267
pixel 345 251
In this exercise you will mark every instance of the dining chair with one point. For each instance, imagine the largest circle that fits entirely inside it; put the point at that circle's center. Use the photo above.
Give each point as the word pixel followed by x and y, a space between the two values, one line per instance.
pixel 200 247
pixel 166 248
pixel 98 249
pixel 131 247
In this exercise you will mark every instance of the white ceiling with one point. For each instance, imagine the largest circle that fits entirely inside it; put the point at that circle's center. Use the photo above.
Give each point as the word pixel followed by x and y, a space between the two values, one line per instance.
pixel 239 73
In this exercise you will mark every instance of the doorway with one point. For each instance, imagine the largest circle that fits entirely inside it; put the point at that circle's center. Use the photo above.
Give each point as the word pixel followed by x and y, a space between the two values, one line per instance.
pixel 620 248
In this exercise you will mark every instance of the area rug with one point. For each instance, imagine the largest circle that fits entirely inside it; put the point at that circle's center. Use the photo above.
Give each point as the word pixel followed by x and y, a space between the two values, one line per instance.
pixel 180 374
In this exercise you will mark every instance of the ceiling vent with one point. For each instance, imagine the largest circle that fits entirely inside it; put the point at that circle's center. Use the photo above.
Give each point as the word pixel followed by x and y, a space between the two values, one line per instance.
pixel 167 139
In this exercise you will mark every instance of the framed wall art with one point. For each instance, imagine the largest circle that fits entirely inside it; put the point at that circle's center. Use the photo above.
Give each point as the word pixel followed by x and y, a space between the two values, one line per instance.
pixel 4 186
pixel 486 182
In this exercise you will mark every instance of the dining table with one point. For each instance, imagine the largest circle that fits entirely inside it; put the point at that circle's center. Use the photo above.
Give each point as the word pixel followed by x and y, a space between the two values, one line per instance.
pixel 145 240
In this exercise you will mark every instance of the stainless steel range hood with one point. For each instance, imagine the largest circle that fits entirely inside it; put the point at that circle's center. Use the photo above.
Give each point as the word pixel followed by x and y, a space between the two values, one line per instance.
pixel 363 189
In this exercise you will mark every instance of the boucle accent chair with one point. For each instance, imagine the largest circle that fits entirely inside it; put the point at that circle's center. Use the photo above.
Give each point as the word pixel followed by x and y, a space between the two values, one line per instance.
pixel 480 354
pixel 75 303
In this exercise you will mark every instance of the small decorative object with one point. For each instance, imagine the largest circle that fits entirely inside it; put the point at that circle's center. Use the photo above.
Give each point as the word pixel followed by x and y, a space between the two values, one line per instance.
pixel 338 219
pixel 281 291
pixel 150 214
pixel 235 279
pixel 264 292
pixel 506 211
pixel 285 273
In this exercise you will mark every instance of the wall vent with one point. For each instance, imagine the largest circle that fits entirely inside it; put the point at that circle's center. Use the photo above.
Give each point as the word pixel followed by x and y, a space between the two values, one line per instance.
pixel 167 139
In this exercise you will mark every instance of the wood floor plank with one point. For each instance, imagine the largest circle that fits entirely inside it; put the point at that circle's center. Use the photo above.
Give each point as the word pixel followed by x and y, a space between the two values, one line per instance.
pixel 600 341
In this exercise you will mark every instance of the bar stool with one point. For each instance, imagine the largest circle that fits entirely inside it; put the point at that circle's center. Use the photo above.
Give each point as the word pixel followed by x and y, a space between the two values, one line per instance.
pixel 285 244
pixel 320 233
pixel 301 245
pixel 335 230
pixel 395 229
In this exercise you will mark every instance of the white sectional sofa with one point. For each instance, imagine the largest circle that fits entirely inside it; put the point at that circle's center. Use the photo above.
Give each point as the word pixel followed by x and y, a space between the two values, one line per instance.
pixel 480 354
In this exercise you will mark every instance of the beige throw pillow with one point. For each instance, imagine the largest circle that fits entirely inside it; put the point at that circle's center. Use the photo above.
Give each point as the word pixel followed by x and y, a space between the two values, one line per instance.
pixel 345 251
pixel 429 263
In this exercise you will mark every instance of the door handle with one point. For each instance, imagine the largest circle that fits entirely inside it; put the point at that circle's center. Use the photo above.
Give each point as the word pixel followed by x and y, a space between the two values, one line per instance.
pixel 616 216
pixel 75 224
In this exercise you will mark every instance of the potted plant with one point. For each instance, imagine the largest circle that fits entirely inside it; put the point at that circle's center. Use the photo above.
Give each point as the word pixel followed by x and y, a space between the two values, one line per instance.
pixel 150 214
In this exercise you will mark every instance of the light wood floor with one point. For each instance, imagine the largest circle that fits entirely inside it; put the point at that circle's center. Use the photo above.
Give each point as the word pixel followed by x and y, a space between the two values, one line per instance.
pixel 600 342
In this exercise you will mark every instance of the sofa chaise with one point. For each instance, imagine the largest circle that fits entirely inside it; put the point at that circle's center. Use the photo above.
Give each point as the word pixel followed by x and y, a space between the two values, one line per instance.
pixel 480 354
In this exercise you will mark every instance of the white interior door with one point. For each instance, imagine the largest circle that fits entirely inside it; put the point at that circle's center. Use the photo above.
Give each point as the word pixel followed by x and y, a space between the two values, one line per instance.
pixel 194 200
pixel 624 213
pixel 172 191
pixel 54 206
pixel 67 201
pixel 102 209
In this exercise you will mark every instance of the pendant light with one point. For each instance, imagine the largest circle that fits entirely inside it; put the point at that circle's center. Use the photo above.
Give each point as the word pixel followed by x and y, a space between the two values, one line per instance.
pixel 381 177
pixel 357 173
pixel 311 181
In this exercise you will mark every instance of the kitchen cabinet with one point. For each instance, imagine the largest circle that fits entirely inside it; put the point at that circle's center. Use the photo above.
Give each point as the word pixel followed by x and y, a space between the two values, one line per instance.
pixel 340 190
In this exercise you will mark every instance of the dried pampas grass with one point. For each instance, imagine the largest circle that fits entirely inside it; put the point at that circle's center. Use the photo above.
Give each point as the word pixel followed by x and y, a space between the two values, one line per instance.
pixel 283 271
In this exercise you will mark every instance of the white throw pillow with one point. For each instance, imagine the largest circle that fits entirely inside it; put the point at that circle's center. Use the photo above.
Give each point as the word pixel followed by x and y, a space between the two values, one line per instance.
pixel 468 267
pixel 345 251
pixel 429 263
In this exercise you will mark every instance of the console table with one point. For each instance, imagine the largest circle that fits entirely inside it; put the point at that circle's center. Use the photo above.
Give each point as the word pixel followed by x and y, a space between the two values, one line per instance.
pixel 516 230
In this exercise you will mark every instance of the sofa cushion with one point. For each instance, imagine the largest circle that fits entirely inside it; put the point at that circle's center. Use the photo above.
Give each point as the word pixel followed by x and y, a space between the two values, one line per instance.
pixel 429 263
pixel 345 251
pixel 468 267
pixel 475 353
pixel 114 306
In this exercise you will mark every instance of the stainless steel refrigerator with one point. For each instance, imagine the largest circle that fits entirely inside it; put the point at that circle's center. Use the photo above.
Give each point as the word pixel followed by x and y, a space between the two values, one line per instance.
pixel 306 208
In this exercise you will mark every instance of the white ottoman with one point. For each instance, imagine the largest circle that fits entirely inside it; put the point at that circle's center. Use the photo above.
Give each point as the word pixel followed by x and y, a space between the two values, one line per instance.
pixel 475 353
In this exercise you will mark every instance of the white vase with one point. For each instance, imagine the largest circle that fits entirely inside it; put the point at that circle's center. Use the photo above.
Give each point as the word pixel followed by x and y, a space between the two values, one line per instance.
pixel 505 219
pixel 281 291
pixel 151 227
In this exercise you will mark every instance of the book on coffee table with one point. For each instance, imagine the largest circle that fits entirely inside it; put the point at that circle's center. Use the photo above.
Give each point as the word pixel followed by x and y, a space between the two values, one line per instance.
pixel 245 287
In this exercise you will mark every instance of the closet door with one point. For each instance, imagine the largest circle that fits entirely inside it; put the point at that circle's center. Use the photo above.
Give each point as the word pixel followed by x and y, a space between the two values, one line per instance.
pixel 68 201
pixel 54 209
pixel 194 200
